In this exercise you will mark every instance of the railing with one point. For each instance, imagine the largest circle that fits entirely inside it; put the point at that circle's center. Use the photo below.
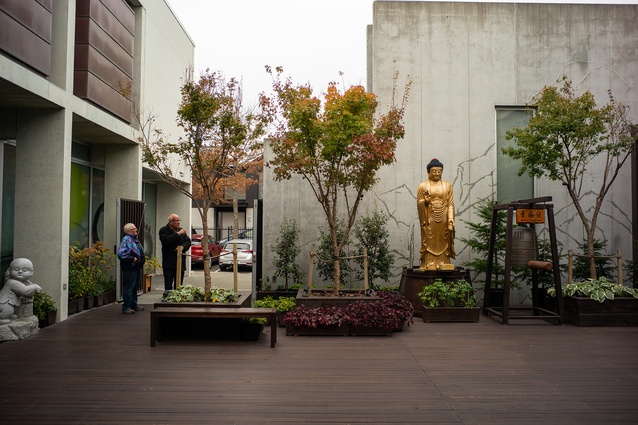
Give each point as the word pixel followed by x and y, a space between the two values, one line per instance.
pixel 220 233
pixel 570 263
pixel 314 255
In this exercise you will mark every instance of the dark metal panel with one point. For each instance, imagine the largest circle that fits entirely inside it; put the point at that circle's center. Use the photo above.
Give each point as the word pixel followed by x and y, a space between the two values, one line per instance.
pixel 25 33
pixel 89 59
pixel 88 86
pixel 86 32
pixel 122 12
pixel 31 15
pixel 105 19
pixel 47 4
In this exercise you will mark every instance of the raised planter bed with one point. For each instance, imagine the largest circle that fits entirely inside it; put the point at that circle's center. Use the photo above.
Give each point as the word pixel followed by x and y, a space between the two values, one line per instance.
pixel 242 301
pixel 451 314
pixel 324 297
pixel 368 331
pixel 583 311
pixel 414 280
pixel 333 330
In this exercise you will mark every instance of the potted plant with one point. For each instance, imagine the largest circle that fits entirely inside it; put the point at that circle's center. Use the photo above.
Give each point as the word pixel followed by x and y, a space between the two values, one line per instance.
pixel 290 291
pixel 479 246
pixel 151 265
pixel 375 318
pixel 265 288
pixel 451 301
pixel 193 294
pixel 266 302
pixel 597 302
pixel 328 320
pixel 44 309
pixel 251 328
pixel 283 306
pixel 87 267
pixel 400 304
pixel 286 250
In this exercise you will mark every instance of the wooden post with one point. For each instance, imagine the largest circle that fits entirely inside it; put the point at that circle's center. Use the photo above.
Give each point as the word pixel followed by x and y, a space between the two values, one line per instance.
pixel 178 269
pixel 570 263
pixel 312 259
pixel 619 260
pixel 365 270
pixel 235 267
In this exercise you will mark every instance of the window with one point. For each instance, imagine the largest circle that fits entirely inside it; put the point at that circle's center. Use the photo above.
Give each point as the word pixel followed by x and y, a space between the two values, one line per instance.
pixel 7 201
pixel 86 217
pixel 509 185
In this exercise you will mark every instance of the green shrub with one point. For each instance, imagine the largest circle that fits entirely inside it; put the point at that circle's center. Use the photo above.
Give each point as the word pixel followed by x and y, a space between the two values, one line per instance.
pixel 190 293
pixel 286 250
pixel 42 305
pixel 88 269
pixel 371 233
pixel 448 294
pixel 596 289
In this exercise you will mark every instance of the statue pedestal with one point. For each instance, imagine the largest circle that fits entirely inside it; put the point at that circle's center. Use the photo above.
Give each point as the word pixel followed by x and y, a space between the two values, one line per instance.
pixel 19 329
pixel 413 280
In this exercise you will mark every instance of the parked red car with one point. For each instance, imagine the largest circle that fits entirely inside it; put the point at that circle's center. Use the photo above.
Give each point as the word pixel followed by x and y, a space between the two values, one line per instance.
pixel 196 250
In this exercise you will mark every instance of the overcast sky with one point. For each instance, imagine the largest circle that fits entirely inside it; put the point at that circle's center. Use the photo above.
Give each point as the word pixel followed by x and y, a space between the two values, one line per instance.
pixel 313 40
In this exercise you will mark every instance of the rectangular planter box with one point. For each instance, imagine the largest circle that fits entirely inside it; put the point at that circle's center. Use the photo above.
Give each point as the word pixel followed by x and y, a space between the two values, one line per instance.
pixel 583 311
pixel 251 331
pixel 367 331
pixel 242 301
pixel 451 314
pixel 321 297
pixel 333 330
pixel 280 319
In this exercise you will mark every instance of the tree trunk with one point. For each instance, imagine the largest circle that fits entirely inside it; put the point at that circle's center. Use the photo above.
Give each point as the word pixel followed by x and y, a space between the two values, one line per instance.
pixel 592 258
pixel 205 253
pixel 235 216
pixel 336 264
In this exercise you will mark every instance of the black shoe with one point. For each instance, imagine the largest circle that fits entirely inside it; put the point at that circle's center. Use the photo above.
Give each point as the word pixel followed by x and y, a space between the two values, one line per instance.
pixel 138 308
pixel 128 311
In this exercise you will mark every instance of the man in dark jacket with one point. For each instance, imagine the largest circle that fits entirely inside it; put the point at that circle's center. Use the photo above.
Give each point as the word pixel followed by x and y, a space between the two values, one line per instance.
pixel 172 236
pixel 131 255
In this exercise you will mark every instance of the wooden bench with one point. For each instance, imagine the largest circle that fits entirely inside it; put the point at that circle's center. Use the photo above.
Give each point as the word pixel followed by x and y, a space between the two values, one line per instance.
pixel 203 312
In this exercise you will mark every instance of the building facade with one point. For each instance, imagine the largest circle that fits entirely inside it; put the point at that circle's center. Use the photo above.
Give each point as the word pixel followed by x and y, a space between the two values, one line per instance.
pixel 68 147
pixel 474 67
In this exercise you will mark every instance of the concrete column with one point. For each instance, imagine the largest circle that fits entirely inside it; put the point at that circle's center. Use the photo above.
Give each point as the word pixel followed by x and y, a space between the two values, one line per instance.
pixel 43 173
pixel 123 172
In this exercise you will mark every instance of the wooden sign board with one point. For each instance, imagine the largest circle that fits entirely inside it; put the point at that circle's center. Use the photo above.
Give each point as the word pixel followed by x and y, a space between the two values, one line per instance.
pixel 530 215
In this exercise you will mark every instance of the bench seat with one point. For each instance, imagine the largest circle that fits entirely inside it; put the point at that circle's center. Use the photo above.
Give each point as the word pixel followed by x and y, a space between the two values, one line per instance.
pixel 203 312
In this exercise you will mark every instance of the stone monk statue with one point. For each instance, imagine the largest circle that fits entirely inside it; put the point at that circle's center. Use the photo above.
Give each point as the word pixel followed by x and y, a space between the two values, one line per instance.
pixel 435 203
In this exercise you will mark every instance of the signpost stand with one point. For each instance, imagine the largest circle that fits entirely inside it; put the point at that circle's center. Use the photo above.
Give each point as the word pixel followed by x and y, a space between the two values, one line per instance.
pixel 532 212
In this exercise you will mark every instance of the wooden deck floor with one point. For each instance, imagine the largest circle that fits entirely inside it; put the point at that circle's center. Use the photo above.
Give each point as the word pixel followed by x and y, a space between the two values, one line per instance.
pixel 98 368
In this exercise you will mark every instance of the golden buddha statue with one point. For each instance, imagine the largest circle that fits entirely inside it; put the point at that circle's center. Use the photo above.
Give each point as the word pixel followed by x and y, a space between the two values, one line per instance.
pixel 435 203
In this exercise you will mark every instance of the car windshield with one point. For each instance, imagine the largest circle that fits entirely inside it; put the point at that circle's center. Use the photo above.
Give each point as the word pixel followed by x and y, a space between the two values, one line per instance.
pixel 229 246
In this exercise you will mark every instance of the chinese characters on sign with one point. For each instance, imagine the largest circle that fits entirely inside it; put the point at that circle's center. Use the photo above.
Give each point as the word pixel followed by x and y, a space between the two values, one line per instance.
pixel 528 215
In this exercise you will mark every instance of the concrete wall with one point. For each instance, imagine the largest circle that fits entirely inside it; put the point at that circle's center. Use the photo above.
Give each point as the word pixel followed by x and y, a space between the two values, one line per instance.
pixel 464 60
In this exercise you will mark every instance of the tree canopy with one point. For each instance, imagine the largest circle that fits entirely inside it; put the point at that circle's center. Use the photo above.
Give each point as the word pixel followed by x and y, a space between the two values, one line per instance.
pixel 337 145
pixel 565 134
pixel 221 144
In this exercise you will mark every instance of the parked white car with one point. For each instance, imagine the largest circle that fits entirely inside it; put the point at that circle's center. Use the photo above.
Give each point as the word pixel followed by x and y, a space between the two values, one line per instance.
pixel 244 254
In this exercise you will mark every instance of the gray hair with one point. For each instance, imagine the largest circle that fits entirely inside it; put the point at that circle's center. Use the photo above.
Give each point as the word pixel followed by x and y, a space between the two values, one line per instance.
pixel 128 227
